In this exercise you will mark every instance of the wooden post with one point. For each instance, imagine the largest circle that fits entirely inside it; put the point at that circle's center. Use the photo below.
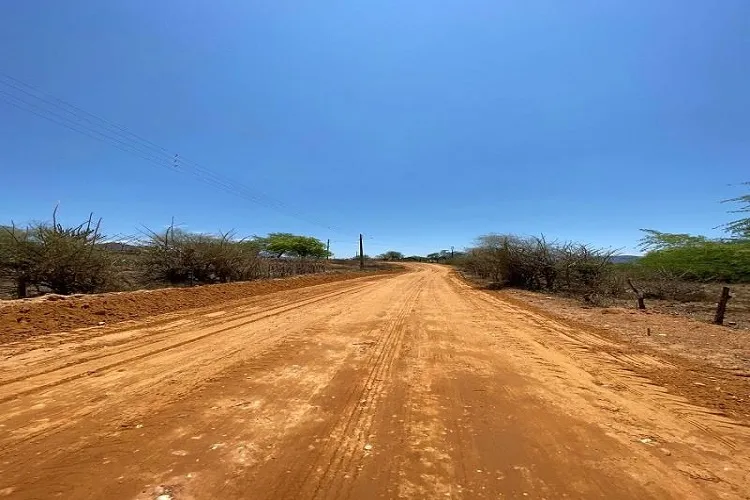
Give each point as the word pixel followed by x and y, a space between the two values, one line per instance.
pixel 361 254
pixel 21 287
pixel 328 249
pixel 721 308
pixel 638 294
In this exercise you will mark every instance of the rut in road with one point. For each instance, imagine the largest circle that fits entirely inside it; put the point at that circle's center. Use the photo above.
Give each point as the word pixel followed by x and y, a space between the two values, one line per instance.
pixel 151 345
pixel 88 368
pixel 349 435
pixel 458 393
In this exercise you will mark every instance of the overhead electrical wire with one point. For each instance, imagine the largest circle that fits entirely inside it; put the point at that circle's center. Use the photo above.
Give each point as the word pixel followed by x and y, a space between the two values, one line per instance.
pixel 65 114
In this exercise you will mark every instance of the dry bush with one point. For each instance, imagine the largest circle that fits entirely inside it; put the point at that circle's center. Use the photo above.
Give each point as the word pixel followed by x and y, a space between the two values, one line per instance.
pixel 535 264
pixel 283 267
pixel 663 284
pixel 178 257
pixel 51 257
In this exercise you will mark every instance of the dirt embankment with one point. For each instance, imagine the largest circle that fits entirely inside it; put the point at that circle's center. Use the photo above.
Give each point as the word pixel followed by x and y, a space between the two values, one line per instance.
pixel 20 319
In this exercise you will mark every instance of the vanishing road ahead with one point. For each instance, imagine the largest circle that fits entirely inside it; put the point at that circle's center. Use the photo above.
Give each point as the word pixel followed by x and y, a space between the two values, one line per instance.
pixel 410 385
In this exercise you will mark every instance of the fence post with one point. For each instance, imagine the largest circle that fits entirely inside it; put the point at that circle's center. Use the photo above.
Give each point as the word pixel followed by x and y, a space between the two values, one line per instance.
pixel 361 255
pixel 21 288
pixel 721 308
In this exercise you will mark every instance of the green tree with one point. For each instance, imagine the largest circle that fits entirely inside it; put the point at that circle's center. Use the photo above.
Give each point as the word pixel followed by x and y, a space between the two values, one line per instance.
pixel 277 244
pixel 740 228
pixel 699 257
pixel 696 257
pixel 391 255
pixel 292 245
pixel 656 240
pixel 308 246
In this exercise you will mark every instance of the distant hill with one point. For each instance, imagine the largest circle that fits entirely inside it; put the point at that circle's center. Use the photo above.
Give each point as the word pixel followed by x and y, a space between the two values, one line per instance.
pixel 116 246
pixel 625 259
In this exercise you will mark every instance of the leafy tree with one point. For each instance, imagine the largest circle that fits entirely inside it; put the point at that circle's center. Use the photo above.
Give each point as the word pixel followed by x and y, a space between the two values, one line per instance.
pixel 391 255
pixel 699 257
pixel 291 245
pixel 656 240
pixel 277 244
pixel 740 228
pixel 696 257
pixel 415 258
pixel 308 246
pixel 438 256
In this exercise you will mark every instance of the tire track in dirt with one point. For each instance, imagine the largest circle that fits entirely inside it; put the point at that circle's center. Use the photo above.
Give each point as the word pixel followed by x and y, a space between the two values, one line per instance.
pixel 211 414
pixel 348 434
pixel 362 420
pixel 161 328
pixel 624 368
pixel 90 366
pixel 460 396
pixel 434 430
pixel 65 416
pixel 147 332
pixel 713 433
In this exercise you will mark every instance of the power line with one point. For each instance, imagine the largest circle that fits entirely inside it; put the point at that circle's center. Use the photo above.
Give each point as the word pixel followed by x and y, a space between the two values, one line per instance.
pixel 114 142
pixel 136 149
pixel 123 139
pixel 9 99
pixel 115 129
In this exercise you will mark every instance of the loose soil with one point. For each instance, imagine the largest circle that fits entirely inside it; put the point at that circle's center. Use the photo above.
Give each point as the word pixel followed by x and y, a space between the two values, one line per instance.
pixel 408 385
pixel 25 318
pixel 710 363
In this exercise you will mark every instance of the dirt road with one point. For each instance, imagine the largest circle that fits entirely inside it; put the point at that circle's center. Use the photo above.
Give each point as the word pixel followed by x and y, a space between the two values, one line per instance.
pixel 402 386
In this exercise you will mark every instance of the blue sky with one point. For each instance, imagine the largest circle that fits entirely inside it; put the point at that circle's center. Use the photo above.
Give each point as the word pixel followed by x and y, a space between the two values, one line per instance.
pixel 421 124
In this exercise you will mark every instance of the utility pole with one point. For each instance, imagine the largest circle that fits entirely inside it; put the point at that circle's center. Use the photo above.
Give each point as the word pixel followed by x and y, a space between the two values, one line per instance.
pixel 328 249
pixel 361 254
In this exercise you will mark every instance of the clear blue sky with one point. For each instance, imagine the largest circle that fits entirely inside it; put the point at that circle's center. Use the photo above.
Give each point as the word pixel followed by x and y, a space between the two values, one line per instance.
pixel 421 124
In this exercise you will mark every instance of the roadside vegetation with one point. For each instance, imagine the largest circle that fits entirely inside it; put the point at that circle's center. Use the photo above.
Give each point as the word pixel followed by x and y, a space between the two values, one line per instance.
pixel 675 268
pixel 680 273
pixel 44 257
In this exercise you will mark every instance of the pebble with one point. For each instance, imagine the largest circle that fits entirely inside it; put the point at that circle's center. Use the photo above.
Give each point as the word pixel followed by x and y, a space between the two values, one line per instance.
pixel 368 447
pixel 665 451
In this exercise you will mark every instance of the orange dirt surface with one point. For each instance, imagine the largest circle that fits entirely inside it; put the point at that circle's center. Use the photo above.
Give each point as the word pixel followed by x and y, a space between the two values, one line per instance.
pixel 409 385
pixel 20 319
pixel 709 363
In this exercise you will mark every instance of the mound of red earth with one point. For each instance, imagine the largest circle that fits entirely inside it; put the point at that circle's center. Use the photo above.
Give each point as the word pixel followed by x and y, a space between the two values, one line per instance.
pixel 20 319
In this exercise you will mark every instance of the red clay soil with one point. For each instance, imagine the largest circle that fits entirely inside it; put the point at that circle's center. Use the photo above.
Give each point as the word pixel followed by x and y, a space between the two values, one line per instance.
pixel 408 385
pixel 21 319
pixel 706 363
